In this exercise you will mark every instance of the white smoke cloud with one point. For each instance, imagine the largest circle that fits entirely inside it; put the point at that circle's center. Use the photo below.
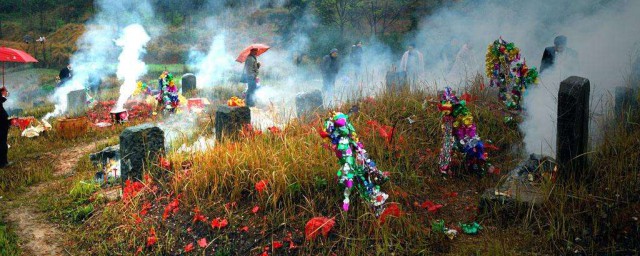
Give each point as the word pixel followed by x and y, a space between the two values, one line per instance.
pixel 133 41
pixel 599 31
pixel 212 67
pixel 97 54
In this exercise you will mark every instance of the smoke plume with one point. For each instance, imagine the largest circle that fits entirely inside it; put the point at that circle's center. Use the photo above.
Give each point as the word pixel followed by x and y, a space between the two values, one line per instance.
pixel 131 67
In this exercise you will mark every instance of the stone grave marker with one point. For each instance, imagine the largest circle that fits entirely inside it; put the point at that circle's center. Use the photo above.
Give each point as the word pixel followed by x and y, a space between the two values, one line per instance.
pixel 188 83
pixel 139 146
pixel 230 120
pixel 76 102
pixel 573 128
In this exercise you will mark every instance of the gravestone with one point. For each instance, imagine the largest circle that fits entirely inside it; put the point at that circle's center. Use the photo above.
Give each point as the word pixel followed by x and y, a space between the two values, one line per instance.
pixel 76 102
pixel 139 146
pixel 230 120
pixel 188 83
pixel 626 102
pixel 308 102
pixel 102 157
pixel 573 128
pixel 396 81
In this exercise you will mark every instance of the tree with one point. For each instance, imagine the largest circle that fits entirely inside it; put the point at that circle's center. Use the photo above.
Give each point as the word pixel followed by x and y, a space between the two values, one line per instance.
pixel 338 12
pixel 383 14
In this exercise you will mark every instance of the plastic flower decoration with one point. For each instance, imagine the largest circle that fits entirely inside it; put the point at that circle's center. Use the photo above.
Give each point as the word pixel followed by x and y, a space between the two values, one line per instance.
pixel 508 72
pixel 357 170
pixel 168 91
pixel 459 134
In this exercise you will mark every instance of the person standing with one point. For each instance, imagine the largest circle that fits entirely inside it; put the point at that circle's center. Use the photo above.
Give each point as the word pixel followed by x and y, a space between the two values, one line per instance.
pixel 65 75
pixel 330 67
pixel 251 66
pixel 412 63
pixel 558 52
pixel 4 128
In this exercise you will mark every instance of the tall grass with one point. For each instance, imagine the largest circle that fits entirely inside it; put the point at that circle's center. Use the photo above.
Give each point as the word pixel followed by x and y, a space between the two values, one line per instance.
pixel 300 174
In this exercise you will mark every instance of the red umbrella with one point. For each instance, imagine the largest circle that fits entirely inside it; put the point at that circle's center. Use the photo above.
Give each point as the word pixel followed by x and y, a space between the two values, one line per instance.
pixel 245 53
pixel 13 55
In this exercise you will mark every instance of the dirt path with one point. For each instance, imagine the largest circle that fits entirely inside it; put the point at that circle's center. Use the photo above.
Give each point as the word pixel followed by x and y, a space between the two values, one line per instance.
pixel 37 235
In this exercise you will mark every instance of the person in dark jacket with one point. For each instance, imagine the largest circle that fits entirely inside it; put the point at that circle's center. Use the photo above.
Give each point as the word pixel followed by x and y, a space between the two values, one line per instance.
pixel 251 66
pixel 4 128
pixel 330 67
pixel 65 74
pixel 553 53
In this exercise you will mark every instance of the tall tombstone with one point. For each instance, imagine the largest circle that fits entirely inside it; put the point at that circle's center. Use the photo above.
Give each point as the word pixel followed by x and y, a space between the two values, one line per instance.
pixel 188 83
pixel 308 102
pixel 139 146
pixel 230 120
pixel 626 101
pixel 76 102
pixel 573 128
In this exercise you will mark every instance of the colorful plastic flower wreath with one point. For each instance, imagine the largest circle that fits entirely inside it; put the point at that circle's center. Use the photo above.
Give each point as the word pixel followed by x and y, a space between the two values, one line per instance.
pixel 459 134
pixel 169 91
pixel 356 170
pixel 506 71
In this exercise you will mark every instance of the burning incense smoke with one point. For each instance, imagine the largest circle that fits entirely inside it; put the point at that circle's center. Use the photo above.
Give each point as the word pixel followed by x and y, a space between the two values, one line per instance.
pixel 133 41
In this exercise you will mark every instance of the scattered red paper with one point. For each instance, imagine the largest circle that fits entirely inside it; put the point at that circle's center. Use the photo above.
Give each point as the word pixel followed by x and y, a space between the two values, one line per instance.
pixel 317 225
pixel 261 185
pixel 188 248
pixel 219 223
pixel 197 216
pixel 152 239
pixel 202 242
pixel 230 205
pixel 165 163
pixel 145 208
pixel 245 229
pixel 430 206
pixel 131 189
pixel 255 209
pixel 274 130
pixel 171 208
pixel 137 218
pixel 323 134
pixel 452 194
pixel 491 147
pixel 264 253
pixel 391 210
pixel 276 245
pixel 468 97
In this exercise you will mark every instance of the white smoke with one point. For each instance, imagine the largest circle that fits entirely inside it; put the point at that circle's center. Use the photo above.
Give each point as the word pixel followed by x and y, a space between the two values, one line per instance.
pixel 599 31
pixel 212 67
pixel 97 55
pixel 133 41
